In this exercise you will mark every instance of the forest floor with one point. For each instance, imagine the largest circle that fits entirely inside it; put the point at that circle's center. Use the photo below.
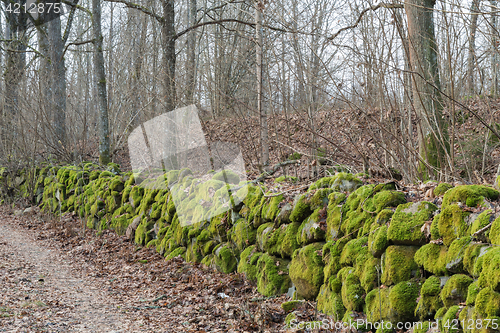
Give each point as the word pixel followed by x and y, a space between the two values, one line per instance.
pixel 56 277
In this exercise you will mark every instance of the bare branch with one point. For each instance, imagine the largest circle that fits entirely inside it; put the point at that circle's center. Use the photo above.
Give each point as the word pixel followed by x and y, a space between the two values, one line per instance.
pixel 360 17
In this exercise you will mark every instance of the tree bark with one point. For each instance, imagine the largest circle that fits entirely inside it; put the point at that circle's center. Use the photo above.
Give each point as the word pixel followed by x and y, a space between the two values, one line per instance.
pixel 191 54
pixel 58 83
pixel 168 30
pixel 426 96
pixel 262 111
pixel 471 57
pixel 494 50
pixel 100 79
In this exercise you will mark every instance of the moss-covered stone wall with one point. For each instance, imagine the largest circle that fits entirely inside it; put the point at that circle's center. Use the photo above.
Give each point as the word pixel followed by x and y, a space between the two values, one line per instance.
pixel 359 250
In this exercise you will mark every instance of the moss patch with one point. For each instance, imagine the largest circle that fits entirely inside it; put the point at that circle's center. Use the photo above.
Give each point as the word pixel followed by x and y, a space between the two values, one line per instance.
pixel 306 270
pixel 455 290
pixel 430 300
pixel 432 257
pixel 407 222
pixel 398 264
pixel 272 275
pixel 471 195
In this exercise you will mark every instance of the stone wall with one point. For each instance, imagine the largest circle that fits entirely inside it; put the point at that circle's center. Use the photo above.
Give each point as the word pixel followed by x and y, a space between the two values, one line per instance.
pixel 361 251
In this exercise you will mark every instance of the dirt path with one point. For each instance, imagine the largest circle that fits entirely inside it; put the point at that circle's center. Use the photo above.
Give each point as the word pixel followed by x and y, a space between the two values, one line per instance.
pixel 41 291
pixel 54 278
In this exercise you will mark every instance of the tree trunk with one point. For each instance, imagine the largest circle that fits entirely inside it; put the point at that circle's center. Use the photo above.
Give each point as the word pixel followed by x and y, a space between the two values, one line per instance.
pixel 58 83
pixel 471 58
pixel 100 78
pixel 259 32
pixel 494 50
pixel 191 54
pixel 425 77
pixel 168 30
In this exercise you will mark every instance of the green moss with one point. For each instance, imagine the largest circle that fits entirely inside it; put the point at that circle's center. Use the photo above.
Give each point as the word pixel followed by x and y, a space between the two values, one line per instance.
pixel 455 290
pixel 494 233
pixel 385 199
pixel 291 305
pixel 288 240
pixel 403 299
pixel 407 222
pixel 286 179
pixel 398 264
pixel 441 189
pixel 313 229
pixel 488 303
pixel 345 182
pixel 331 256
pixel 489 268
pixel 144 232
pixel 330 302
pixel 272 275
pixel 429 301
pixel 136 195
pixel 432 257
pixel 321 183
pixel 264 235
pixel 180 251
pixel 367 268
pixel 352 249
pixel 335 215
pixel 377 239
pixel 248 262
pixel 306 270
pixel 270 208
pixel 377 306
pixel 452 223
pixel 117 184
pixel 242 234
pixel 471 195
pixel 481 221
pixel 449 320
pixel 352 292
pixel 472 292
pixel 227 176
pixel 301 208
pixel 456 253
pixel 225 258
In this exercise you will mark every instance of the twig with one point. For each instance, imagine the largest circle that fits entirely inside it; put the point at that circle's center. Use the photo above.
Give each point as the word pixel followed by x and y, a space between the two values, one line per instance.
pixel 480 231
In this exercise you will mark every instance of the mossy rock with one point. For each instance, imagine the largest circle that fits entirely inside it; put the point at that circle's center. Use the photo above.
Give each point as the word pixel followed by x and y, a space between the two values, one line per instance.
pixel 455 255
pixel 455 290
pixel 449 323
pixel 441 189
pixel 144 232
pixel 248 262
pixel 272 275
pixel 488 304
pixel 368 269
pixel 407 222
pixel 283 216
pixel 494 233
pixel 180 251
pixel 306 270
pixel 352 292
pixel 398 264
pixel 120 223
pixel 481 221
pixel 345 182
pixel 432 257
pixel 332 251
pixel 194 251
pixel 377 239
pixel 227 176
pixel 453 223
pixel 352 249
pixel 324 182
pixel 117 184
pixel 264 234
pixel 471 195
pixel 225 258
pixel 403 299
pixel 430 300
pixel 136 195
pixel 472 292
pixel 335 215
pixel 386 199
pixel 313 229
pixel 489 267
pixel 288 239
pixel 301 208
pixel 330 302
pixel 243 234
pixel 271 208
pixel 291 305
